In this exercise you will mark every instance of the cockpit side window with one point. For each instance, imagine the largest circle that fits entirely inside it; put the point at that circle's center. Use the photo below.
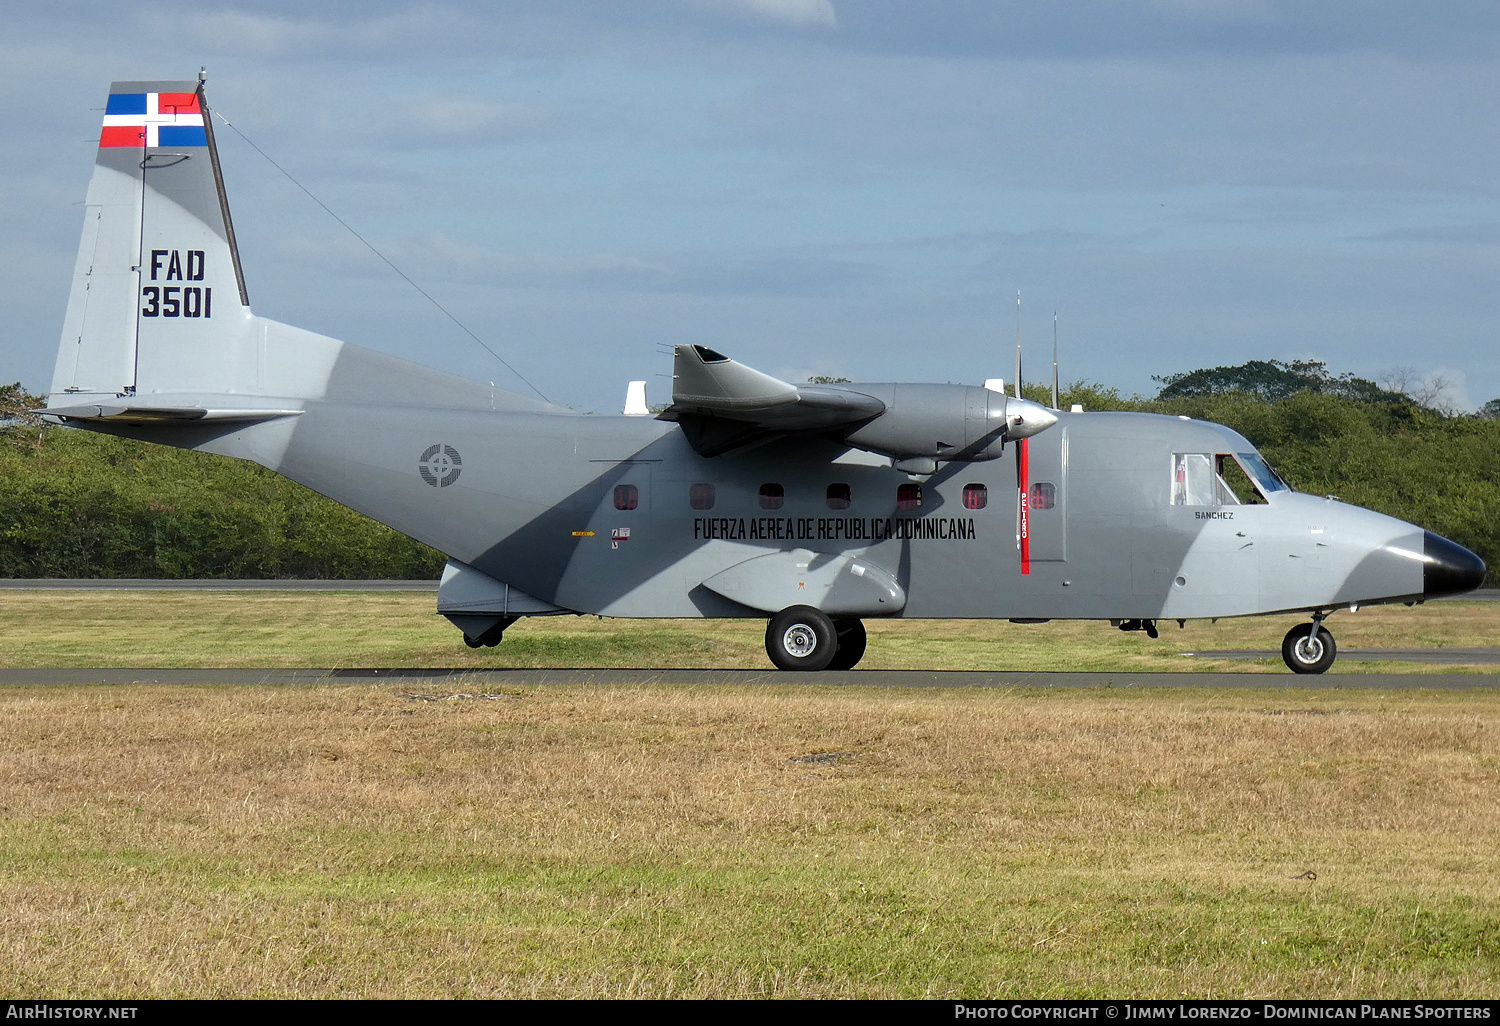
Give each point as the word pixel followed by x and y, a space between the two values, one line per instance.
pixel 1193 480
pixel 1222 479
pixel 1234 481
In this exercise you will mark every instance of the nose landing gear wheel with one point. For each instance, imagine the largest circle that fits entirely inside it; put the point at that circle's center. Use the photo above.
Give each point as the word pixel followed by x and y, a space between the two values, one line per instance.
pixel 801 638
pixel 1308 648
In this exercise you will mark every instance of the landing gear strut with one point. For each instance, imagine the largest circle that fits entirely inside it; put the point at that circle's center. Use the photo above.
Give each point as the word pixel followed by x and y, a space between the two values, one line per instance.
pixel 1309 647
pixel 805 639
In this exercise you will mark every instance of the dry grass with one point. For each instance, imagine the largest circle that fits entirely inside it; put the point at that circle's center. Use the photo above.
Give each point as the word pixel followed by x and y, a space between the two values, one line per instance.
pixel 253 629
pixel 810 842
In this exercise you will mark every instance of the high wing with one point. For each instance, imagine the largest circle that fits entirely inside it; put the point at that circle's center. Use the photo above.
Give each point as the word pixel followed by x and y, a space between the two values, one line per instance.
pixel 723 405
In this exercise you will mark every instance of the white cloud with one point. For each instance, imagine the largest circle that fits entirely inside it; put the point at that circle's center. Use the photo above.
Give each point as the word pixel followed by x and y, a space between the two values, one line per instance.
pixel 791 12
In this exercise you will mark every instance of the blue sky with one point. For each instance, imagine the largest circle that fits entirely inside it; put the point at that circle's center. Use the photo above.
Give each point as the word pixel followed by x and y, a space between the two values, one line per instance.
pixel 848 187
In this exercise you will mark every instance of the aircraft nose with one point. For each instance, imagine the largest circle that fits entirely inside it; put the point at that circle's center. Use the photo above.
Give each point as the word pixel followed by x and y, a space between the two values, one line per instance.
pixel 1025 418
pixel 1448 568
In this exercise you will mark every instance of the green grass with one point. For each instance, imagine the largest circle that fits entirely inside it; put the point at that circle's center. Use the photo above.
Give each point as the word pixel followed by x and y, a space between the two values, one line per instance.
pixel 674 842
pixel 342 629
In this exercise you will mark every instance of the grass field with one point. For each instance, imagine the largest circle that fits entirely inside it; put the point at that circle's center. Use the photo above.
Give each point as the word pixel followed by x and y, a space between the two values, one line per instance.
pixel 340 629
pixel 731 842
pixel 790 841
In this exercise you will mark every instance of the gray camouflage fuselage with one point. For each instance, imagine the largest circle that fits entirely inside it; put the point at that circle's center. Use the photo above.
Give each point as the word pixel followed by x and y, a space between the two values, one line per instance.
pixel 880 500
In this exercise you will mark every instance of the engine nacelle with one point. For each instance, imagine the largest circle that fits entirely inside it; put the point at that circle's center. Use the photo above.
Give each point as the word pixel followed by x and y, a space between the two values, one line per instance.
pixel 946 422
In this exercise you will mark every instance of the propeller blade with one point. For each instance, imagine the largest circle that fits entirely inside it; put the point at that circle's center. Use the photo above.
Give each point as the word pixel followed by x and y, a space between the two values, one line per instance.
pixel 1054 361
pixel 1018 343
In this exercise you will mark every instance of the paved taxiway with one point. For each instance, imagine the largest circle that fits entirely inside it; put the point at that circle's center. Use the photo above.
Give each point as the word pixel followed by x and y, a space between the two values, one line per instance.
pixel 468 679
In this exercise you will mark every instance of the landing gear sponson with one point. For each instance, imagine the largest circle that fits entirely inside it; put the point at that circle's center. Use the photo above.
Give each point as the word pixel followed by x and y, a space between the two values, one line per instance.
pixel 807 639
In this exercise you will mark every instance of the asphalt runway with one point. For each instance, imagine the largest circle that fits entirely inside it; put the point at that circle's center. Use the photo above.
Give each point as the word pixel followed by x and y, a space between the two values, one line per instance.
pixel 469 679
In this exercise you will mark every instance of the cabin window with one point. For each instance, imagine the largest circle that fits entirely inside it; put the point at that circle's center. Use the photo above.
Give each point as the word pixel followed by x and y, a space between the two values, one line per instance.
pixel 839 496
pixel 701 496
pixel 908 496
pixel 772 496
pixel 976 496
pixel 627 497
pixel 1043 495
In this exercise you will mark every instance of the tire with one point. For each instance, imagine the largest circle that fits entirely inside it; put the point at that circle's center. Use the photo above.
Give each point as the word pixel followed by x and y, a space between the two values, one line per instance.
pixel 850 639
pixel 1308 648
pixel 801 638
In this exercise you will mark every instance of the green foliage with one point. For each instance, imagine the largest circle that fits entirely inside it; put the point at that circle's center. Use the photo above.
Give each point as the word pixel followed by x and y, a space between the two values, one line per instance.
pixel 18 405
pixel 1271 381
pixel 78 504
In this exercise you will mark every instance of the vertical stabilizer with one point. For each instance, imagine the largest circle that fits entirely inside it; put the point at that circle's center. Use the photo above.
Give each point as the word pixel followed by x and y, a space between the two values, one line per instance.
pixel 158 303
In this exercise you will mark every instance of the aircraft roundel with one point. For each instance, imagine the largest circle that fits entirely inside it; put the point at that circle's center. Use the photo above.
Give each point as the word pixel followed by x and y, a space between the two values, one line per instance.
pixel 440 465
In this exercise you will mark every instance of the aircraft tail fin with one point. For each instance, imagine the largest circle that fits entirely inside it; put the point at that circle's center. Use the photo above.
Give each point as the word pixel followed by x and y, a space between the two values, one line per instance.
pixel 158 296
pixel 159 329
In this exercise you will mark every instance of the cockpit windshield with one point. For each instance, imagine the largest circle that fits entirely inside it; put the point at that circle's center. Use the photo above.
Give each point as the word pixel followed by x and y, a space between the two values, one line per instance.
pixel 1265 478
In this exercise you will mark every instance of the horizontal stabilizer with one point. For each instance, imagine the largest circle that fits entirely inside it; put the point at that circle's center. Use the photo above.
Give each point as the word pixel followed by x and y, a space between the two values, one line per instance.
pixel 132 414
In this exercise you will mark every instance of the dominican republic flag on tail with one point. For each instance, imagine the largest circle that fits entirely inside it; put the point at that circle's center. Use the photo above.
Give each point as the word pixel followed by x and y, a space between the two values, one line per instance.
pixel 153 120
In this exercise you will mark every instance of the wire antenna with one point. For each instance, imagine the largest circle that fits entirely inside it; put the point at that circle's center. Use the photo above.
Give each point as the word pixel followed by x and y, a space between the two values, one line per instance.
pixel 383 258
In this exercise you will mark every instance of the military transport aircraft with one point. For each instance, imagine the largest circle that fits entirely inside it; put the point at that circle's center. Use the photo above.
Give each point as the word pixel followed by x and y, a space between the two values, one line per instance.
pixel 813 506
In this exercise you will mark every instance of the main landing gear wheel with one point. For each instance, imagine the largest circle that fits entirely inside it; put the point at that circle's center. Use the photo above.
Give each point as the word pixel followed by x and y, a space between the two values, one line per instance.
pixel 801 638
pixel 1309 648
pixel 851 644
pixel 493 636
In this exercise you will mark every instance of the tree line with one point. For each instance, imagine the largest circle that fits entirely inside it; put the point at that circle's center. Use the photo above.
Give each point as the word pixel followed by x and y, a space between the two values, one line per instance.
pixel 80 504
